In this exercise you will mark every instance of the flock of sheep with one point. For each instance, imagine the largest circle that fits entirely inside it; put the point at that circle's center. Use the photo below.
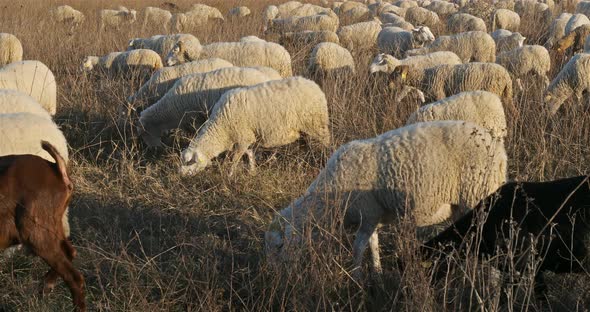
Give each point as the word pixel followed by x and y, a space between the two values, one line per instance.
pixel 448 157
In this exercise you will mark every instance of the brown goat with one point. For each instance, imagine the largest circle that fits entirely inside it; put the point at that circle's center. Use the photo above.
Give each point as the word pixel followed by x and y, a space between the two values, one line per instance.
pixel 34 194
pixel 575 38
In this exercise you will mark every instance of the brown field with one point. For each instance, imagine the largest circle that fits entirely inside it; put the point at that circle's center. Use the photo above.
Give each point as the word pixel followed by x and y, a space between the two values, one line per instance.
pixel 151 240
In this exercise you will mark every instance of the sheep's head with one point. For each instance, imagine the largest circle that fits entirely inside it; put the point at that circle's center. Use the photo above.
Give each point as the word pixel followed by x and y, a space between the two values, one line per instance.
pixel 176 55
pixel 279 231
pixel 422 35
pixel 518 38
pixel 383 63
pixel 89 63
pixel 134 44
pixel 398 77
pixel 193 161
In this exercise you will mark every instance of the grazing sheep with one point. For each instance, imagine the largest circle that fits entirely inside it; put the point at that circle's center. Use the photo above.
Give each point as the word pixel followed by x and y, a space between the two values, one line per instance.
pixel 354 15
pixel 442 81
pixel 403 172
pixel 162 44
pixel 11 50
pixel 156 17
pixel 526 60
pixel 537 13
pixel 396 41
pixel 330 59
pixel 65 14
pixel 463 22
pixel 208 11
pixel 192 98
pixel 193 19
pixel 13 101
pixel 32 78
pixel 271 114
pixel 35 194
pixel 117 18
pixel 360 37
pixel 308 9
pixel 405 4
pixel 392 20
pixel 323 21
pixel 285 8
pixel 241 11
pixel 308 37
pixel 144 61
pixel 472 46
pixel 576 21
pixel 380 8
pixel 163 79
pixel 441 7
pixel 387 63
pixel 547 221
pixel 266 54
pixel 557 29
pixel 576 39
pixel 422 17
pixel 505 19
pixel 480 107
pixel 572 80
pixel 252 39
pixel 270 12
pixel 506 40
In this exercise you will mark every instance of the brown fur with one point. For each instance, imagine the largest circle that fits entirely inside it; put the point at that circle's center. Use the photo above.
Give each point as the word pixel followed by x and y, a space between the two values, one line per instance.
pixel 35 194
pixel 575 39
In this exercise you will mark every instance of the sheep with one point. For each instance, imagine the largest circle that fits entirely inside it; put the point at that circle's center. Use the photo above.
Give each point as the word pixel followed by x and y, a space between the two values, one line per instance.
pixel 308 37
pixel 422 17
pixel 380 8
pixel 117 18
pixel 505 19
pixel 270 12
pixel 270 114
pixel 392 20
pixel 396 41
pixel 65 14
pixel 405 4
pixel 193 19
pixel 506 40
pixel 241 11
pixel 480 107
pixel 192 98
pixel 323 21
pixel 441 7
pixel 528 59
pixel 11 50
pixel 308 9
pixel 32 78
pixel 162 44
pixel 572 80
pixel 164 78
pixel 35 194
pixel 208 11
pixel 539 14
pixel 463 22
pixel 354 15
pixel 546 221
pixel 330 59
pixel 575 39
pixel 387 63
pixel 285 8
pixel 576 21
pixel 557 29
pixel 472 46
pixel 403 172
pixel 445 80
pixel 143 61
pixel 13 101
pixel 360 37
pixel 156 17
pixel 267 54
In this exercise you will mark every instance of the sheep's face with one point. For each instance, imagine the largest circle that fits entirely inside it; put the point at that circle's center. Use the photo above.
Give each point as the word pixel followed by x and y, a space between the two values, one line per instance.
pixel 176 55
pixel 382 63
pixel 422 35
pixel 279 231
pixel 193 161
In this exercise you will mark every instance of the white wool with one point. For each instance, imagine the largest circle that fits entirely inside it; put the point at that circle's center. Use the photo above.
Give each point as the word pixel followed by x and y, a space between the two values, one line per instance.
pixel 117 18
pixel 156 17
pixel 360 37
pixel 329 58
pixel 387 63
pixel 13 101
pixel 32 78
pixel 471 46
pixel 163 44
pixel 11 50
pixel 572 81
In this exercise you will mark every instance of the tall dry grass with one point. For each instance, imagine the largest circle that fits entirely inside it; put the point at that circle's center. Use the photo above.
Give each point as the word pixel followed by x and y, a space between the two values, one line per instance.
pixel 150 240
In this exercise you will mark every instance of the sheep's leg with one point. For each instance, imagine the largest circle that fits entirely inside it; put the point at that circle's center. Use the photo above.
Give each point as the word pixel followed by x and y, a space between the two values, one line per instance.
pixel 251 159
pixel 361 241
pixel 239 152
pixel 519 84
pixel 374 245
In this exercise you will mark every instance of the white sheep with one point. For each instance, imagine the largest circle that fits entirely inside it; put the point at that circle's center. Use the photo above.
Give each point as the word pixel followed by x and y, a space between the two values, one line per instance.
pixel 241 11
pixel 284 9
pixel 266 54
pixel 163 44
pixel 360 37
pixel 506 40
pixel 572 80
pixel 308 37
pixel 32 78
pixel 163 79
pixel 11 50
pixel 576 21
pixel 140 60
pixel 441 81
pixel 14 101
pixel 65 14
pixel 156 17
pixel 406 172
pixel 271 114
pixel 396 41
pixel 463 22
pixel 422 17
pixel 505 19
pixel 206 10
pixel 471 46
pixel 387 63
pixel 193 19
pixel 480 107
pixel 307 9
pixel 324 21
pixel 270 12
pixel 354 15
pixel 379 8
pixel 405 4
pixel 441 7
pixel 538 13
pixel 252 39
pixel 557 29
pixel 192 98
pixel 117 18
pixel 330 59
pixel 393 20
pixel 526 60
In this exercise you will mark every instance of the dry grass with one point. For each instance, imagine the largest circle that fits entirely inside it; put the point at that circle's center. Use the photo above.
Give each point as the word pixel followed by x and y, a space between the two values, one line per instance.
pixel 150 240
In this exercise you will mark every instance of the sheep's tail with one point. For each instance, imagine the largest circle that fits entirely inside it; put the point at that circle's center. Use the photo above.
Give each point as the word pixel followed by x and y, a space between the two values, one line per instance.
pixel 59 162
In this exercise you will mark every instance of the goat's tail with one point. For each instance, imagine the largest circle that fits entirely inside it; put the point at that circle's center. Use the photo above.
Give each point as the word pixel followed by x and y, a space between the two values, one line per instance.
pixel 59 162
